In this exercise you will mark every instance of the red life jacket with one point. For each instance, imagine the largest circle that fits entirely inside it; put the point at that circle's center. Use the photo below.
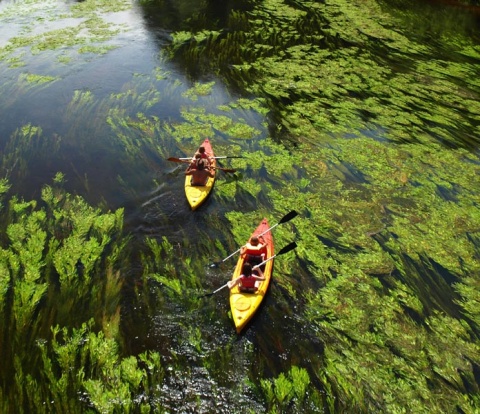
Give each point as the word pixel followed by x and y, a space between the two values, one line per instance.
pixel 247 282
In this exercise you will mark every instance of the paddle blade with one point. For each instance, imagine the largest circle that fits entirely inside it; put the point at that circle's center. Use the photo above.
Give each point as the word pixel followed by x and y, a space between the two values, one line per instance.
pixel 206 295
pixel 173 159
pixel 215 291
pixel 287 248
pixel 288 217
pixel 228 170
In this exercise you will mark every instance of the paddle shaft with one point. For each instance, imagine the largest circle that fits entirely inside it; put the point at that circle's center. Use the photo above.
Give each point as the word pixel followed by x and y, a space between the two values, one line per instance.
pixel 217 158
pixel 188 162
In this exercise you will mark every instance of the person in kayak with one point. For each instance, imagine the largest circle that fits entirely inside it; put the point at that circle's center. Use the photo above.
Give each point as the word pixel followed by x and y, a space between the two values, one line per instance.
pixel 254 251
pixel 195 159
pixel 247 281
pixel 201 152
pixel 199 173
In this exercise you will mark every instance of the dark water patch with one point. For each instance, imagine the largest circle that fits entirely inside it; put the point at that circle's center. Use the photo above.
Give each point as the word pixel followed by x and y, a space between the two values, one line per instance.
pixel 474 238
pixel 305 278
pixel 476 372
pixel 470 382
pixel 348 173
pixel 331 243
pixel 436 285
pixel 278 329
pixel 390 282
pixel 448 194
pixel 434 288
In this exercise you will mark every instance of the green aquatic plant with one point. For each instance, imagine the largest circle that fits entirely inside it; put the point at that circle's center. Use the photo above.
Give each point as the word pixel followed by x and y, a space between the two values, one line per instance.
pixel 174 285
pixel 385 347
pixel 51 267
pixel 99 50
pixel 195 339
pixel 199 90
pixel 81 98
pixel 288 391
pixel 100 6
pixel 194 116
pixel 470 298
pixel 300 381
pixel 36 79
pixel 25 142
pixel 73 31
pixel 106 382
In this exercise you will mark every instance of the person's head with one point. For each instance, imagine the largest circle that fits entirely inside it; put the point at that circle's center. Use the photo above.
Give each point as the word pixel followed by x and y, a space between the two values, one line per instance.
pixel 254 241
pixel 197 156
pixel 200 165
pixel 247 269
pixel 201 150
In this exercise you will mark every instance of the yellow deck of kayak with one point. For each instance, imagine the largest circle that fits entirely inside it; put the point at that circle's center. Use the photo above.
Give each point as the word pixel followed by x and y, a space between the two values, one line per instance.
pixel 244 305
pixel 196 194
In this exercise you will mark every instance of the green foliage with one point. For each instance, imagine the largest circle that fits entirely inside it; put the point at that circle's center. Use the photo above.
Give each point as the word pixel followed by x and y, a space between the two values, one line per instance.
pixel 36 79
pixel 91 362
pixel 199 89
pixel 287 391
pixel 67 32
pixel 50 279
pixel 26 141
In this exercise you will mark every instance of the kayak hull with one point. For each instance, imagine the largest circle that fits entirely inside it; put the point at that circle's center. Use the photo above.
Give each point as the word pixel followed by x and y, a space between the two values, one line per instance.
pixel 196 195
pixel 244 305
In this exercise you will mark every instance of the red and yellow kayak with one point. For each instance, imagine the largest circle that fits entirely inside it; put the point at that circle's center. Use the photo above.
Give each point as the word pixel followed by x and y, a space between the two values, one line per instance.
pixel 196 195
pixel 244 305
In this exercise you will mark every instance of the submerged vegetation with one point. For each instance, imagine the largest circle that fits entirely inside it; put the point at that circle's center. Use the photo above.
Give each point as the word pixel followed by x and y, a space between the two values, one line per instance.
pixel 358 115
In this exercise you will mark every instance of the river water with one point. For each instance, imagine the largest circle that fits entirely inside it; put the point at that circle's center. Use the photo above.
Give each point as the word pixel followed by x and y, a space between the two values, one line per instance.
pixel 113 102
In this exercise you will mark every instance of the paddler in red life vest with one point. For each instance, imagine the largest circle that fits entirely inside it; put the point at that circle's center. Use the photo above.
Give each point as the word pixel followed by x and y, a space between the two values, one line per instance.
pixel 203 155
pixel 254 251
pixel 248 281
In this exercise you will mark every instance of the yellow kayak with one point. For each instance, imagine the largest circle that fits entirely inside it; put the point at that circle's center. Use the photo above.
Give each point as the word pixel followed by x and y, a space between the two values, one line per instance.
pixel 244 305
pixel 196 195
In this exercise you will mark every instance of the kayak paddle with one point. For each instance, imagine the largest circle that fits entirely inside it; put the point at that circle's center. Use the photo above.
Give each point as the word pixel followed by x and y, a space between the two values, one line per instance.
pixel 215 291
pixel 284 250
pixel 218 158
pixel 173 159
pixel 285 218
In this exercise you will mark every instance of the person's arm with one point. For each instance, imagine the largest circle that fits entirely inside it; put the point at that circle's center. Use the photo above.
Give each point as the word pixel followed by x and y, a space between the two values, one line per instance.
pixel 233 283
pixel 260 276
